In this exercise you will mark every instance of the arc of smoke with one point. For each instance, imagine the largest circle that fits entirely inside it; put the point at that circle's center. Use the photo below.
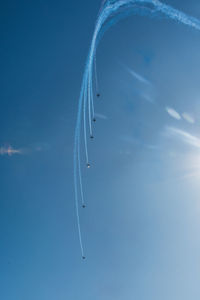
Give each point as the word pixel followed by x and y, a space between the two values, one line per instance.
pixel 111 12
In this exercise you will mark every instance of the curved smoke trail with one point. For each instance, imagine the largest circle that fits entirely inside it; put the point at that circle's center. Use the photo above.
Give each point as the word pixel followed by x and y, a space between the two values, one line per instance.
pixel 110 13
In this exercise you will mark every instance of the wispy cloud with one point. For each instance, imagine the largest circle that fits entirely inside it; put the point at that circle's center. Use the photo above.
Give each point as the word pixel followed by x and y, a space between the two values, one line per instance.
pixel 9 150
pixel 173 113
pixel 137 76
pixel 188 118
pixel 101 116
pixel 130 139
pixel 136 142
pixel 147 92
pixel 147 97
pixel 184 136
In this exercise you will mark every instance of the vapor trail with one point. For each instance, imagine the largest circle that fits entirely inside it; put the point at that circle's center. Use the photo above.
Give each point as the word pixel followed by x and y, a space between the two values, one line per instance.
pixel 110 13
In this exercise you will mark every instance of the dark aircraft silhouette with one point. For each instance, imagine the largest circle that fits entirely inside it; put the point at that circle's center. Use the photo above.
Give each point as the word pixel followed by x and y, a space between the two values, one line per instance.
pixel 98 95
pixel 94 120
pixel 83 257
pixel 91 137
pixel 88 165
pixel 83 206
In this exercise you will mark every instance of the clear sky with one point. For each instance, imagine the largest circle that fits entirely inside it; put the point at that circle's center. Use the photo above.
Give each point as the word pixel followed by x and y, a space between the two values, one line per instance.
pixel 141 226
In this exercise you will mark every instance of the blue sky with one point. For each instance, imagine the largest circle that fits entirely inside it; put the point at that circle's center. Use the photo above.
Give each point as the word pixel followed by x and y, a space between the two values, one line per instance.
pixel 141 225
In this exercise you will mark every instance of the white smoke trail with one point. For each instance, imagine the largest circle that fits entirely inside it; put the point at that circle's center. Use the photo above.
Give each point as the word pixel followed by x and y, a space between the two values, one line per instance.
pixel 111 12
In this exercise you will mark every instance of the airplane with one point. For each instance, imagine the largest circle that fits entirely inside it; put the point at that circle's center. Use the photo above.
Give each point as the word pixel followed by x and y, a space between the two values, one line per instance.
pixel 9 150
pixel 83 206
pixel 83 257
pixel 98 95
pixel 91 137
pixel 88 165
pixel 94 120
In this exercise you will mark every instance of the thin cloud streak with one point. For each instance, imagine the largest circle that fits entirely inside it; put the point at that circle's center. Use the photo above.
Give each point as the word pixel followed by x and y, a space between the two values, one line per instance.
pixel 137 142
pixel 101 116
pixel 147 97
pixel 139 77
pixel 184 136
